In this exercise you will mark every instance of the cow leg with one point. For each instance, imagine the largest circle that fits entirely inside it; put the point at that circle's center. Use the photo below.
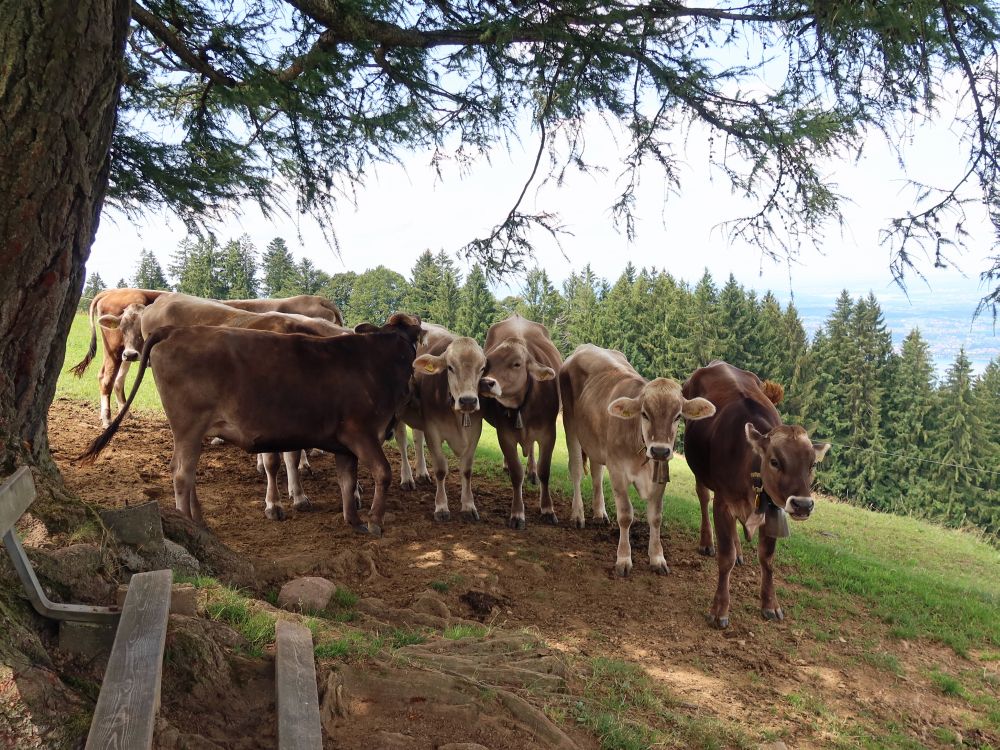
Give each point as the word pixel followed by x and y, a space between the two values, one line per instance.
pixel 768 599
pixel 469 512
pixel 405 472
pixel 532 469
pixel 272 498
pixel 623 507
pixel 187 451
pixel 293 465
pixel 600 509
pixel 303 462
pixel 654 515
pixel 347 478
pixel 119 385
pixel 369 449
pixel 725 536
pixel 441 510
pixel 105 381
pixel 739 549
pixel 705 543
pixel 508 445
pixel 260 464
pixel 423 476
pixel 545 447
pixel 576 517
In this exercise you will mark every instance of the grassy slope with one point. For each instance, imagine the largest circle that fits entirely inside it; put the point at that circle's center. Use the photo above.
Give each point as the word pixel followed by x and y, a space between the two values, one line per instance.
pixel 921 579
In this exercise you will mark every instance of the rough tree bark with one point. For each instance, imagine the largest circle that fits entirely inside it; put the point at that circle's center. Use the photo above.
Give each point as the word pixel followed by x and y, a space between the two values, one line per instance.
pixel 60 74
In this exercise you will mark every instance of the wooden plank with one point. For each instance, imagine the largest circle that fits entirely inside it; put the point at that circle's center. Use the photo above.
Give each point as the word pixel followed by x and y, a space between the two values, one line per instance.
pixel 130 693
pixel 298 701
pixel 16 494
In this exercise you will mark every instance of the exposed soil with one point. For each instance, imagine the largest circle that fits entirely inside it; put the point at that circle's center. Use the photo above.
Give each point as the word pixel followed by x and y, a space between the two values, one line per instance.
pixel 557 582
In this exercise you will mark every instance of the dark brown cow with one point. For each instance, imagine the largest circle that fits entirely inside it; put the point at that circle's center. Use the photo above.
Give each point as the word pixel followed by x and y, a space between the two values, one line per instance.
pixel 523 362
pixel 117 302
pixel 758 468
pixel 341 394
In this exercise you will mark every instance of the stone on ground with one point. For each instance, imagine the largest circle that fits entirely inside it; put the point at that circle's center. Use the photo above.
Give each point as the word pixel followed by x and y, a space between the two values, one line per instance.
pixel 307 594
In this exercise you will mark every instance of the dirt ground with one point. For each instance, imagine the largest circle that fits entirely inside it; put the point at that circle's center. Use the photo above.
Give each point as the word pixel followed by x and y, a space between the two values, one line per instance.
pixel 559 583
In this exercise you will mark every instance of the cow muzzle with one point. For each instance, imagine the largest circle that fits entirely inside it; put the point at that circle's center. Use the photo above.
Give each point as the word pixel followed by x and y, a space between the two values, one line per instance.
pixel 489 387
pixel 659 452
pixel 130 355
pixel 468 403
pixel 799 507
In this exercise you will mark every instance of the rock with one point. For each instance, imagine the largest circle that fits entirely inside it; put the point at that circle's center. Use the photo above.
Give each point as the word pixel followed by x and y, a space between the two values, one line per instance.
pixel 173 556
pixel 86 639
pixel 183 599
pixel 395 741
pixel 80 570
pixel 307 594
pixel 462 746
pixel 430 604
pixel 138 525
pixel 169 737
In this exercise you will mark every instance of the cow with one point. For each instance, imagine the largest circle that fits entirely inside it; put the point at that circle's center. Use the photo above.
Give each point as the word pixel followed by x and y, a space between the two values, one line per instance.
pixel 119 312
pixel 118 303
pixel 448 377
pixel 522 362
pixel 620 420
pixel 343 394
pixel 758 468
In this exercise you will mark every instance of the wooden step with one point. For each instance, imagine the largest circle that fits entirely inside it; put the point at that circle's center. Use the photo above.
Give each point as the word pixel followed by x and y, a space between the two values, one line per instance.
pixel 295 681
pixel 130 693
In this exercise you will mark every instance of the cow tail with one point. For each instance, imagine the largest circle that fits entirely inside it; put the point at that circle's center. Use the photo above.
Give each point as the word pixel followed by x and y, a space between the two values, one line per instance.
pixel 81 367
pixel 774 391
pixel 102 440
pixel 338 315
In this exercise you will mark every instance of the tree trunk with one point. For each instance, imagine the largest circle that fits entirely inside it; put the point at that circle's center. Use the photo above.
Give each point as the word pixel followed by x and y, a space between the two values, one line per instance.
pixel 61 64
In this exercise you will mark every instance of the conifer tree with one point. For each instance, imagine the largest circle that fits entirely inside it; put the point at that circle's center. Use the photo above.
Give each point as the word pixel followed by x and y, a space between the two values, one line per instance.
pixel 149 273
pixel 701 321
pixel 581 310
pixel 477 310
pixel 239 269
pixel 425 282
pixel 94 286
pixel 448 300
pixel 987 392
pixel 540 300
pixel 337 288
pixel 278 270
pixel 197 266
pixel 733 326
pixel 308 278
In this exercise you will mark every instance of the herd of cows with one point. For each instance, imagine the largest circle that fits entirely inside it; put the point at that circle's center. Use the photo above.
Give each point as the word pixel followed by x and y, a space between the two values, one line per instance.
pixel 281 376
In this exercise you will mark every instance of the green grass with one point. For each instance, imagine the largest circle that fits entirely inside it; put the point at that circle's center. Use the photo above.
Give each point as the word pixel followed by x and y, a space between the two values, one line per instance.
pixel 229 606
pixel 351 644
pixel 920 579
pixel 455 632
pixel 948 685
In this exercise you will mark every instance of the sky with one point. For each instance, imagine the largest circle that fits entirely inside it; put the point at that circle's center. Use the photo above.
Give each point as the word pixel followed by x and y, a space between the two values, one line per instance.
pixel 404 209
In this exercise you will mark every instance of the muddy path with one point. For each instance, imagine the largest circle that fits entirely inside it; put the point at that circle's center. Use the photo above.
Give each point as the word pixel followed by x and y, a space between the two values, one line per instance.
pixel 768 681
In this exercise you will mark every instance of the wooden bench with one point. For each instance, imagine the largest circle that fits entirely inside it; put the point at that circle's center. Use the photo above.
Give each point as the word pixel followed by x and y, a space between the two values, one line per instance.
pixel 299 726
pixel 130 692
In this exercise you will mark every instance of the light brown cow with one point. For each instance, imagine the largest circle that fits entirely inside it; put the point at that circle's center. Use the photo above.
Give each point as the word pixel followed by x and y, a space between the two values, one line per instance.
pixel 448 376
pixel 523 362
pixel 758 468
pixel 627 423
pixel 116 302
pixel 343 394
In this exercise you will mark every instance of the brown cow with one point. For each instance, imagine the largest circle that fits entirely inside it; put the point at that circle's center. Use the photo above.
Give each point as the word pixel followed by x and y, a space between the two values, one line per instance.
pixel 116 302
pixel 342 394
pixel 627 423
pixel 758 468
pixel 448 375
pixel 523 362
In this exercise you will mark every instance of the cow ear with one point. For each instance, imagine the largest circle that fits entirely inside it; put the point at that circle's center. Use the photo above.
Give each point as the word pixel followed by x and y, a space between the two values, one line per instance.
pixel 109 321
pixel 540 372
pixel 428 364
pixel 624 407
pixel 821 449
pixel 366 328
pixel 757 441
pixel 698 408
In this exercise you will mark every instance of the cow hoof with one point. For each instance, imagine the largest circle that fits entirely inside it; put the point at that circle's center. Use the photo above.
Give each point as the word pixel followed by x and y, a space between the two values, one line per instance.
pixel 740 560
pixel 516 523
pixel 533 478
pixel 374 529
pixel 442 515
pixel 408 485
pixel 623 568
pixel 550 519
pixel 277 513
pixel 661 569
pixel 717 622
pixel 470 516
pixel 577 523
pixel 305 504
pixel 775 615
pixel 359 527
pixel 424 479
pixel 602 521
pixel 707 551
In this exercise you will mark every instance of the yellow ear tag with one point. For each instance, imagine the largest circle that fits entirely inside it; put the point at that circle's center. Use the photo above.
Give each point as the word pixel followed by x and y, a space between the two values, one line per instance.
pixel 628 414
pixel 429 367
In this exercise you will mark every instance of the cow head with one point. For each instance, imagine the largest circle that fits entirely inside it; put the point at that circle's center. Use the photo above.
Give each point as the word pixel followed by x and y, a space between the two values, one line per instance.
pixel 128 324
pixel 404 323
pixel 511 366
pixel 465 365
pixel 659 407
pixel 788 461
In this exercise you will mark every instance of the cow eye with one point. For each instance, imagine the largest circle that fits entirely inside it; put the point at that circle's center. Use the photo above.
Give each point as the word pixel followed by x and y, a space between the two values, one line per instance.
pixel 516 364
pixel 645 416
pixel 774 463
pixel 451 369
